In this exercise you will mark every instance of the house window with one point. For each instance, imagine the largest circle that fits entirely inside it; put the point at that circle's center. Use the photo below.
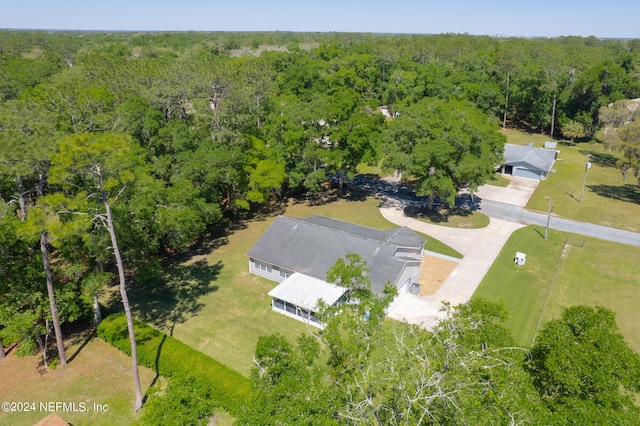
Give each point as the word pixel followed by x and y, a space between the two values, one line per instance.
pixel 295 310
pixel 285 273
pixel 292 309
pixel 262 266
pixel 307 315
pixel 302 313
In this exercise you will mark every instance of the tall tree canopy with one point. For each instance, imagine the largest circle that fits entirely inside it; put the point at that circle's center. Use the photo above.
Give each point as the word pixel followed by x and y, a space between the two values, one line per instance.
pixel 584 369
pixel 443 146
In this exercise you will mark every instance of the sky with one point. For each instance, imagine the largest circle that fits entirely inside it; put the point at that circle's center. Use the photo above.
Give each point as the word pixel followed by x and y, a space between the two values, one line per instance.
pixel 542 18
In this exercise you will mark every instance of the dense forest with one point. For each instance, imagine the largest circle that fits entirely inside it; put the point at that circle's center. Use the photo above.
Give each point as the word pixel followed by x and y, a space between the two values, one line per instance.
pixel 121 148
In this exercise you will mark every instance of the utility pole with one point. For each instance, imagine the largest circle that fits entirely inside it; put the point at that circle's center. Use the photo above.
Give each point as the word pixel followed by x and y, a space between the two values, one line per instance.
pixel 546 230
pixel 584 178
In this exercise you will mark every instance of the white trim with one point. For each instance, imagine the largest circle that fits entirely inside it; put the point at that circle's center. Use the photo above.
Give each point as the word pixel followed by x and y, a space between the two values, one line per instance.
pixel 305 291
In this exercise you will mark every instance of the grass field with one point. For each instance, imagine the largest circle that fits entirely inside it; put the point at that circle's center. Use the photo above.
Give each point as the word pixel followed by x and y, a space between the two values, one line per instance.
pixel 98 374
pixel 589 271
pixel 210 302
pixel 606 201
pixel 214 305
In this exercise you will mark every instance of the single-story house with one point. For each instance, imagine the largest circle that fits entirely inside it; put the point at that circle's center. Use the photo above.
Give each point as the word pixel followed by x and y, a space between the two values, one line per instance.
pixel 297 253
pixel 528 161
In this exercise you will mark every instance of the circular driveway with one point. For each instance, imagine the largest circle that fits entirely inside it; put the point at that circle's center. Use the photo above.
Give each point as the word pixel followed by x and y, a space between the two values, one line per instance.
pixel 480 247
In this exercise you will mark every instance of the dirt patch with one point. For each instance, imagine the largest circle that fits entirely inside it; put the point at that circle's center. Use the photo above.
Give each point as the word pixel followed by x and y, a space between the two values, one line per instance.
pixel 433 272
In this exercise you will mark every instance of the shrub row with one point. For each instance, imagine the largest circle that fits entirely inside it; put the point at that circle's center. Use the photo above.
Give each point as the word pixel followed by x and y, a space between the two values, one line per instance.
pixel 169 357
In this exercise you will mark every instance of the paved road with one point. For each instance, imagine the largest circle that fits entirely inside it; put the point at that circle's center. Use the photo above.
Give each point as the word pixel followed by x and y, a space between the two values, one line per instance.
pixel 480 247
pixel 519 215
pixel 504 211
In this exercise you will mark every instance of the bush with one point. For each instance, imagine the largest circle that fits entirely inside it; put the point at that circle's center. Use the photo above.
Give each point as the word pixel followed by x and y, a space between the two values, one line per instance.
pixel 169 357
pixel 187 400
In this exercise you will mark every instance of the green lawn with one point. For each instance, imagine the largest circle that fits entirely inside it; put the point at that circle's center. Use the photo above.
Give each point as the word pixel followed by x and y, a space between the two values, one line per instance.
pixel 214 305
pixel 367 169
pixel 606 201
pixel 600 273
pixel 498 180
pixel 98 373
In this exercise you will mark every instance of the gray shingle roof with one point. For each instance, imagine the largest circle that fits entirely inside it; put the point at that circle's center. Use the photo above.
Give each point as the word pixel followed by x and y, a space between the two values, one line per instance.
pixel 403 237
pixel 536 158
pixel 312 245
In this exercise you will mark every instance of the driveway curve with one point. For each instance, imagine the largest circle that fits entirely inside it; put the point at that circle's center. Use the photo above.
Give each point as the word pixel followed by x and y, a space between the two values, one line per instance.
pixel 480 247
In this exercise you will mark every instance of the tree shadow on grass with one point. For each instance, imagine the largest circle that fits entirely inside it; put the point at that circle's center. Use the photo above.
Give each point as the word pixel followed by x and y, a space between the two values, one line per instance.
pixel 274 208
pixel 10 348
pixel 577 141
pixel 601 159
pixel 317 198
pixel 82 339
pixel 353 193
pixel 164 296
pixel 628 193
pixel 157 369
pixel 205 244
pixel 437 215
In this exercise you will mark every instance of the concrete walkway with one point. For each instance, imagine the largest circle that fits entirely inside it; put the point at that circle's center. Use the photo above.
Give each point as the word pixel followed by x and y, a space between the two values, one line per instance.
pixel 480 247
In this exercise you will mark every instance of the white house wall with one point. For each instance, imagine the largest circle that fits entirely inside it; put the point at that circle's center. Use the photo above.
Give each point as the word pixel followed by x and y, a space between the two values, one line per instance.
pixel 410 274
pixel 267 270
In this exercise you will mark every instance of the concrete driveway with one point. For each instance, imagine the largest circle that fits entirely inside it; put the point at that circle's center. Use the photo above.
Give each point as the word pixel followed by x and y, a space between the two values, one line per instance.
pixel 479 247
pixel 517 193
